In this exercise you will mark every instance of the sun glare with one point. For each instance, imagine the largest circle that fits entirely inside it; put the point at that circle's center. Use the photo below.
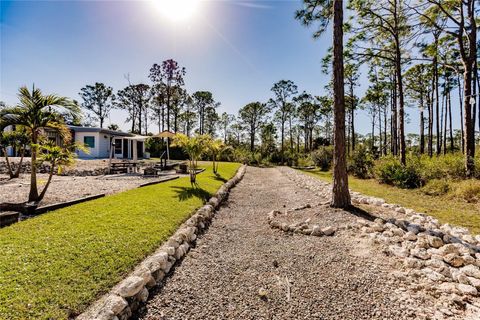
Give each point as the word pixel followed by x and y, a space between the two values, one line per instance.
pixel 177 10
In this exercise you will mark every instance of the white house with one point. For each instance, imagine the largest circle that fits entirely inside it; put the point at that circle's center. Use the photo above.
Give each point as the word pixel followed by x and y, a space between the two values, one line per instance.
pixel 99 141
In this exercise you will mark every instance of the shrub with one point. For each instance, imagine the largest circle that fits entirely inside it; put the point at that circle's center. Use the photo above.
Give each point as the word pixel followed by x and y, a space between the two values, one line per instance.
pixel 241 155
pixel 389 170
pixel 468 190
pixel 323 157
pixel 361 163
pixel 436 187
pixel 449 166
pixel 305 161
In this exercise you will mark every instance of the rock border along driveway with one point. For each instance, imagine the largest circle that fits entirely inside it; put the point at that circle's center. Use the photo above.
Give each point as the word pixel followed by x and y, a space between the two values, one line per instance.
pixel 442 258
pixel 127 296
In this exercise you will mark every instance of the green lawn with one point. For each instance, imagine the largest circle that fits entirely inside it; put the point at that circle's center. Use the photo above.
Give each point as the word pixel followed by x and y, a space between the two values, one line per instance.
pixel 446 209
pixel 53 266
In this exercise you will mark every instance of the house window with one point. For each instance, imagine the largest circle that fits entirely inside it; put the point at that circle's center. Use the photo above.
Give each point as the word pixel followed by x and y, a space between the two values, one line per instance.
pixel 118 146
pixel 89 141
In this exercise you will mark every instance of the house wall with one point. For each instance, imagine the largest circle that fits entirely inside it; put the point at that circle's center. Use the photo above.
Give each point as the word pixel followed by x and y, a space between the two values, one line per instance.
pixel 94 152
pixel 104 145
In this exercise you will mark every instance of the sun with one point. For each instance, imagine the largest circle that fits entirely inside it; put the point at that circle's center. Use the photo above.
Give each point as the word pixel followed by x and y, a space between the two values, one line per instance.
pixel 177 10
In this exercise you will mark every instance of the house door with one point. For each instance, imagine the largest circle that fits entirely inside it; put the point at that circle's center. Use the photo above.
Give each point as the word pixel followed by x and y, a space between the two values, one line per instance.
pixel 140 149
pixel 125 149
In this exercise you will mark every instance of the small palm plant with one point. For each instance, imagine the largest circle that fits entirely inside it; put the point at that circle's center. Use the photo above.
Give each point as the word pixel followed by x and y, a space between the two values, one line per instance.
pixel 194 147
pixel 215 149
pixel 19 140
pixel 58 157
pixel 35 113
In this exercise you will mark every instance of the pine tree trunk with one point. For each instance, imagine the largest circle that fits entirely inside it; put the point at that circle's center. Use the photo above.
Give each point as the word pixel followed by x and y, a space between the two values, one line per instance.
pixel 348 133
pixel 442 124
pixel 384 152
pixel 422 132
pixel 430 120
pixel 452 145
pixel 437 95
pixel 460 99
pixel 340 193
pixel 401 107
pixel 283 140
pixel 445 126
pixel 290 131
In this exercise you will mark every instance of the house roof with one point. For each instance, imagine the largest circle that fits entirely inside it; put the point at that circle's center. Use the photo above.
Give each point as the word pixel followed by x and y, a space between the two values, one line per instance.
pixel 101 130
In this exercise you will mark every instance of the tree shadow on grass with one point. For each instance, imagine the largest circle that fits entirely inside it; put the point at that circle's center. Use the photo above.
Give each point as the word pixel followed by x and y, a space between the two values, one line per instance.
pixel 220 178
pixel 185 193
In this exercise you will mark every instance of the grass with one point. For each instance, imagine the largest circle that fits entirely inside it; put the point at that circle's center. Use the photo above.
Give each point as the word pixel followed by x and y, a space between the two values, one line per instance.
pixel 445 208
pixel 55 265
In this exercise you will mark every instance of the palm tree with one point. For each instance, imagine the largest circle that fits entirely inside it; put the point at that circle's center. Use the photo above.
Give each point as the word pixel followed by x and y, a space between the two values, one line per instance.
pixel 58 157
pixel 216 148
pixel 17 139
pixel 194 147
pixel 35 113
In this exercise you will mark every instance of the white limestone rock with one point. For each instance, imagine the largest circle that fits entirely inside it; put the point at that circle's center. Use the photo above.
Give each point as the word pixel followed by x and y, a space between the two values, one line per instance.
pixel 130 286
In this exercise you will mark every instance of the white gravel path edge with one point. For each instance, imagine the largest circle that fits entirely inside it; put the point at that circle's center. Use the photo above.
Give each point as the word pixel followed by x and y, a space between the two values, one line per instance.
pixel 128 295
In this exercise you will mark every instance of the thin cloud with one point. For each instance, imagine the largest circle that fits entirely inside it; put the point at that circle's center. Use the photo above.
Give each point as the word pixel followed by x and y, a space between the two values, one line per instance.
pixel 253 5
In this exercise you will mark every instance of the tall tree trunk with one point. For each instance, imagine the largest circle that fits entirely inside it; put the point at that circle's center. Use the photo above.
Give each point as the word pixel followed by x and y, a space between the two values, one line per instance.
pixel 168 109
pixel 437 94
pixel 252 139
pixel 452 145
pixel 290 131
pixel 394 120
pixel 469 137
pixel 33 194
pixel 422 132
pixel 352 125
pixel 380 146
pixel 283 141
pixel 474 95
pixel 352 115
pixel 460 100
pixel 348 133
pixel 430 119
pixel 175 122
pixel 385 122
pixel 372 143
pixel 442 123
pixel 401 111
pixel 445 126
pixel 340 194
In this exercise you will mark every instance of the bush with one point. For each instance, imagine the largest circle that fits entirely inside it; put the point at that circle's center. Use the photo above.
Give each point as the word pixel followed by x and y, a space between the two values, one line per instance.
pixel 323 157
pixel 389 170
pixel 468 190
pixel 305 161
pixel 449 166
pixel 361 163
pixel 436 188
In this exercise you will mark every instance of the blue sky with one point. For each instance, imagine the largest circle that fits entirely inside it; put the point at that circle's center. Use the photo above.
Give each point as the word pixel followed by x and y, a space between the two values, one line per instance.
pixel 236 49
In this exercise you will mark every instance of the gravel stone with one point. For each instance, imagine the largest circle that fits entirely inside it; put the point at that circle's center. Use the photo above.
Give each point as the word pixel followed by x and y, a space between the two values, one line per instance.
pixel 342 277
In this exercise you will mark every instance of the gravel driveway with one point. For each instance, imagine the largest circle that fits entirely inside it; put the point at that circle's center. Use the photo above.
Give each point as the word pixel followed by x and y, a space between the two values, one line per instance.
pixel 243 269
